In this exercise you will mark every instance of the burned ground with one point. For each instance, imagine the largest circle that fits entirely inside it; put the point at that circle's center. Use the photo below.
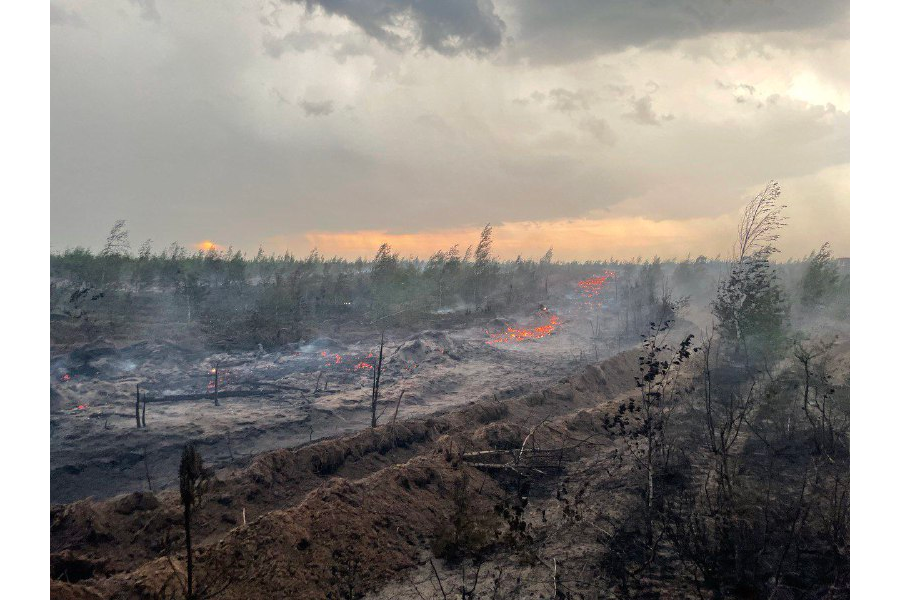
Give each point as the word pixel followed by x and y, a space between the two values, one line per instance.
pixel 394 481
pixel 506 472
pixel 268 400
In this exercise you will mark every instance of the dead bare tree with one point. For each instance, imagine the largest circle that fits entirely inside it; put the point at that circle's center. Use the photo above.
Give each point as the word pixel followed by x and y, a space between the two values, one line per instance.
pixel 146 469
pixel 818 397
pixel 394 419
pixel 192 479
pixel 137 405
pixel 438 577
pixel 726 414
pixel 216 385
pixel 526 462
pixel 376 381
pixel 595 328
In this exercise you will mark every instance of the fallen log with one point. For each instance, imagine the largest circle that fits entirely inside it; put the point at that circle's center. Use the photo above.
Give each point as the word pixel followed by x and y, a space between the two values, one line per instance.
pixel 517 469
pixel 208 396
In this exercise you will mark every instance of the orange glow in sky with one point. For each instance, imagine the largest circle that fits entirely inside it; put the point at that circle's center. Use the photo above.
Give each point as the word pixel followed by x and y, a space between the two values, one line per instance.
pixel 207 245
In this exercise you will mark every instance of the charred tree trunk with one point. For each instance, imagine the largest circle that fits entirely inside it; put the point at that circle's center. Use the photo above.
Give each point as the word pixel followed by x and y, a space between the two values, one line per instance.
pixel 190 554
pixel 192 483
pixel 147 470
pixel 394 420
pixel 216 385
pixel 376 382
pixel 137 405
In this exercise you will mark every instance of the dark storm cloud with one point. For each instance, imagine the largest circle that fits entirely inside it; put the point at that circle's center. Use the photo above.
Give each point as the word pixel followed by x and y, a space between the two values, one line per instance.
pixel 448 27
pixel 190 130
pixel 567 30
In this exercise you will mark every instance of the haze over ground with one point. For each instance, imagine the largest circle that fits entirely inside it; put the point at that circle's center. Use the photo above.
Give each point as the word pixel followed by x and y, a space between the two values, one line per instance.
pixel 340 126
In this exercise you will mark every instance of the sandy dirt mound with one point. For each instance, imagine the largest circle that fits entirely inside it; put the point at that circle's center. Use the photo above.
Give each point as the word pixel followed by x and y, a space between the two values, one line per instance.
pixel 344 534
pixel 132 528
pixel 60 590
pixel 425 347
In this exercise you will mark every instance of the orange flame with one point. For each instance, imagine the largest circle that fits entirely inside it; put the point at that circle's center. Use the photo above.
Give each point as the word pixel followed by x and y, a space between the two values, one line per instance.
pixel 591 286
pixel 513 334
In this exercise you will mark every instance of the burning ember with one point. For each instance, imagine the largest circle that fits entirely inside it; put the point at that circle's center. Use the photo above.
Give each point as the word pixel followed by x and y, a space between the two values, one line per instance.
pixel 224 377
pixel 512 334
pixel 590 289
pixel 352 361
pixel 591 286
pixel 331 360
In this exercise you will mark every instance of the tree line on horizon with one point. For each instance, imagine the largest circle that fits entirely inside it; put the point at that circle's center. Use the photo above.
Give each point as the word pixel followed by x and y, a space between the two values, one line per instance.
pixel 269 298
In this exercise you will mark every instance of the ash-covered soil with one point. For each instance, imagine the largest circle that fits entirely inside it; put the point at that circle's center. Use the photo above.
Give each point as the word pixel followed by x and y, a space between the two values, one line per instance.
pixel 284 397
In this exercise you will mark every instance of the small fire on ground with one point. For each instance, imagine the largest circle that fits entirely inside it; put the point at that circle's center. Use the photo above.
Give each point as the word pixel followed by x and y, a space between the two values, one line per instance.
pixel 515 334
pixel 591 286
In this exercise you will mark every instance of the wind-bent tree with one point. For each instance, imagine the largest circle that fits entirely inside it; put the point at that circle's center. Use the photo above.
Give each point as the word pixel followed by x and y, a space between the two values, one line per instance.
pixel 117 247
pixel 750 307
pixel 820 278
pixel 760 223
pixel 482 267
pixel 117 243
pixel 384 275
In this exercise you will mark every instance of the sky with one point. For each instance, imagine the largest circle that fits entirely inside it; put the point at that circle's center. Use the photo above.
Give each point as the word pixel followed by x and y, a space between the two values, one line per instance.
pixel 598 127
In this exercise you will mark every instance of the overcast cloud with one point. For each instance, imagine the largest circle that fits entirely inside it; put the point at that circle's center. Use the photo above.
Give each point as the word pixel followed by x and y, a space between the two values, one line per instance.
pixel 336 123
